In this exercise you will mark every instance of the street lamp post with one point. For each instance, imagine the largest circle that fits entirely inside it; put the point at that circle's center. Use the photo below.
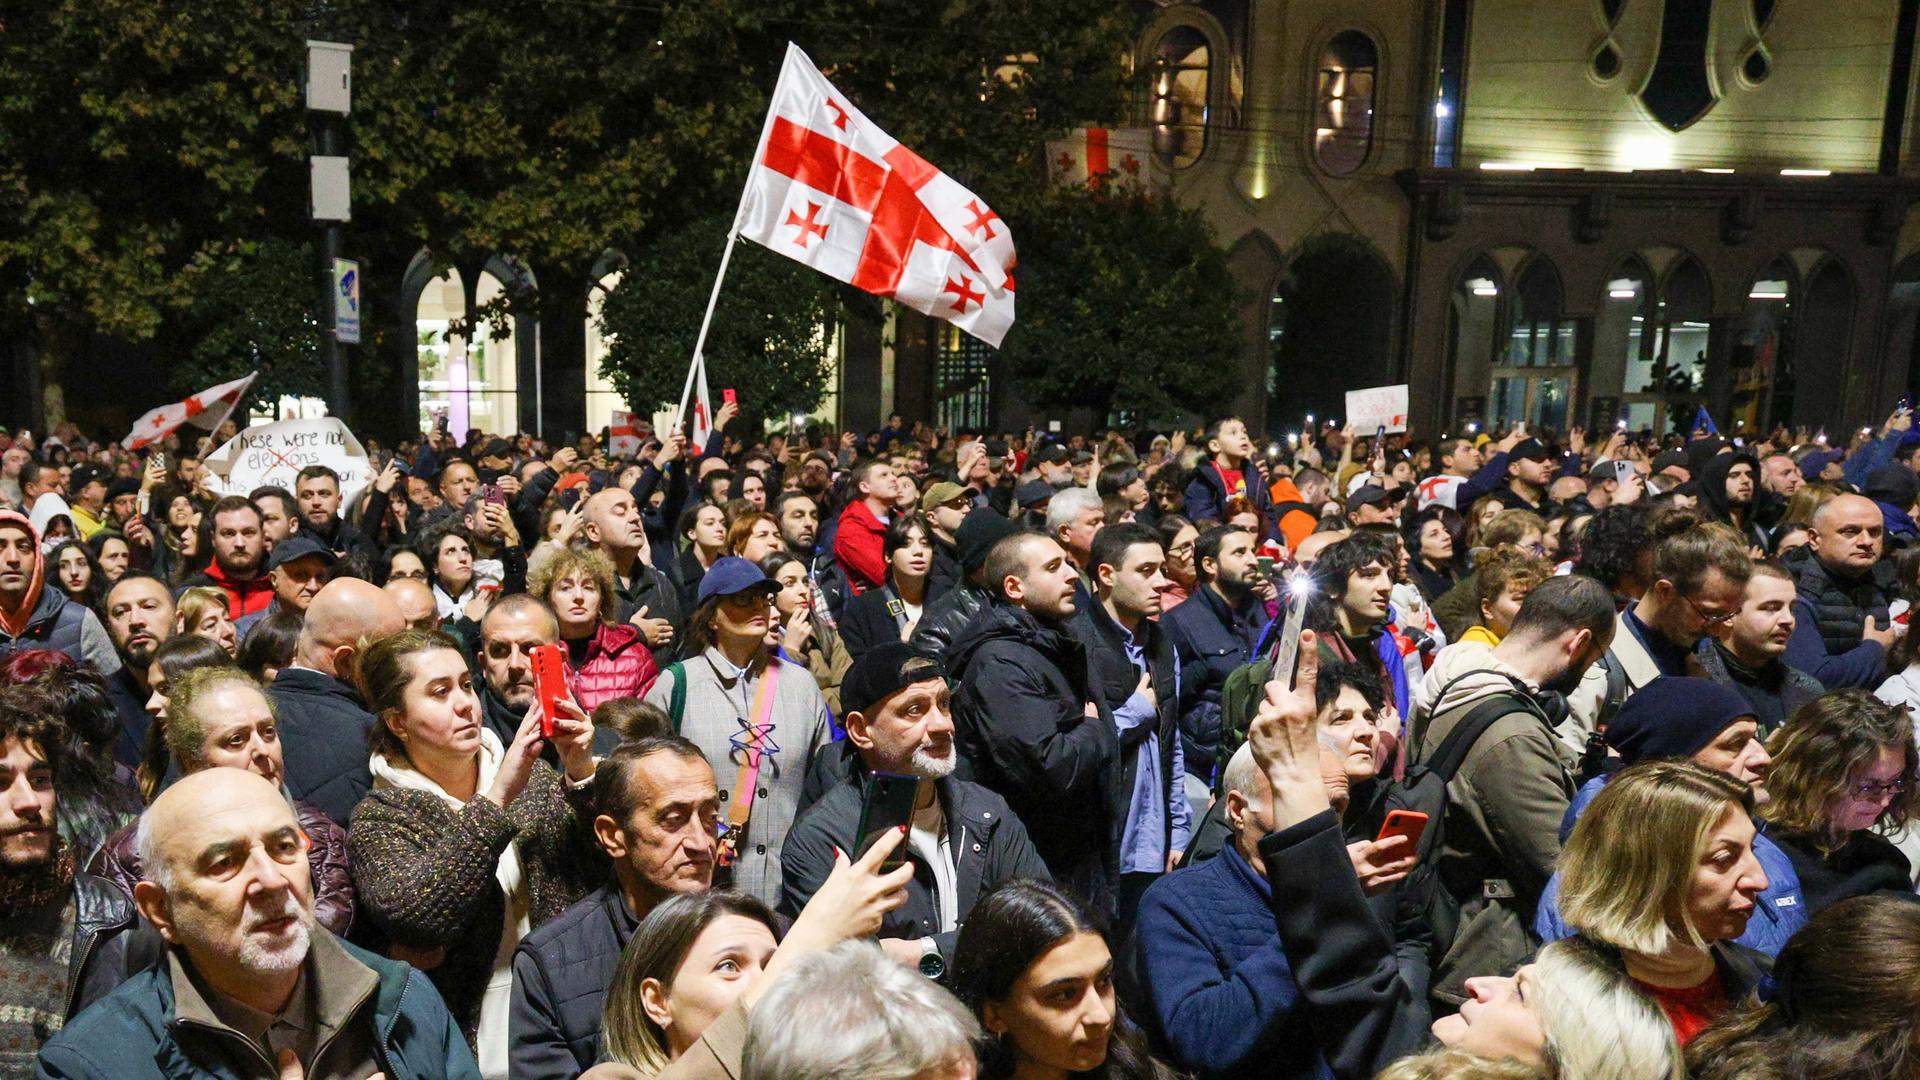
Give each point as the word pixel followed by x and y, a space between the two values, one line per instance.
pixel 329 99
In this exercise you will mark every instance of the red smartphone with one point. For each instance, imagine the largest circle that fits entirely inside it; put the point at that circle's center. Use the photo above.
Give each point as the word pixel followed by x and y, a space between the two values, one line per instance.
pixel 1408 823
pixel 550 682
pixel 727 395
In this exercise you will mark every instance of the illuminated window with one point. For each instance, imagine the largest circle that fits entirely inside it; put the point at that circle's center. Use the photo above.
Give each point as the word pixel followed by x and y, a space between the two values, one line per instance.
pixel 1343 112
pixel 1179 109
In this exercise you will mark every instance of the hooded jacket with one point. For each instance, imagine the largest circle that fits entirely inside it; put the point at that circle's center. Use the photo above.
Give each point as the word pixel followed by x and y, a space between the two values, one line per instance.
pixel 1021 714
pixel 244 597
pixel 46 619
pixel 1711 481
pixel 1504 808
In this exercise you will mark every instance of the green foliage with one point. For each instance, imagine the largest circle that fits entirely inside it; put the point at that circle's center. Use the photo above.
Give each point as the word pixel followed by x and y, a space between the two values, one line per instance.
pixel 1124 301
pixel 766 338
pixel 254 311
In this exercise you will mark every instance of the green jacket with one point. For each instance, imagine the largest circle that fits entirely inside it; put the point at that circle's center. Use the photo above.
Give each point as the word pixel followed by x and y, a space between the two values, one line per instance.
pixel 134 1033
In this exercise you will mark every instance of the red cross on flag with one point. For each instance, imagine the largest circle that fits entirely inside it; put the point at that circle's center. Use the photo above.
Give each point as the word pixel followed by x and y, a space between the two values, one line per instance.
pixel 206 409
pixel 831 190
pixel 1090 156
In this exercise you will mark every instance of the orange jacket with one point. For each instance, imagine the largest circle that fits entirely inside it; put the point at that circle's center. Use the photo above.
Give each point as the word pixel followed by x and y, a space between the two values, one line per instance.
pixel 1295 524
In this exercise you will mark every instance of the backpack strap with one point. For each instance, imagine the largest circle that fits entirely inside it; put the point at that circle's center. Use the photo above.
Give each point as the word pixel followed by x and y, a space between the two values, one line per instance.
pixel 1452 751
pixel 677 703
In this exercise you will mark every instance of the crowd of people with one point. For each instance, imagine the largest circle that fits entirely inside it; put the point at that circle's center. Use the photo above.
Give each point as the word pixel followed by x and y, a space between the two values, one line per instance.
pixel 1353 755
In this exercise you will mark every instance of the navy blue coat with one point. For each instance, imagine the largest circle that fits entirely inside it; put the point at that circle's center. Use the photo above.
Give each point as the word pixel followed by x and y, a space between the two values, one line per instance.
pixel 1211 641
pixel 323 737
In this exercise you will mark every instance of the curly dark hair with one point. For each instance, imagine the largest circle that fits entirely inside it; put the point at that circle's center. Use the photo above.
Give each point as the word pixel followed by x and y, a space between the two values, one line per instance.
pixel 1616 545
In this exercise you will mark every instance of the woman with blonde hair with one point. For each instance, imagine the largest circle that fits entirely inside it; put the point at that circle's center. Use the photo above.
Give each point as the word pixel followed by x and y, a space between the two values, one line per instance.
pixel 606 659
pixel 203 610
pixel 1661 869
pixel 1843 777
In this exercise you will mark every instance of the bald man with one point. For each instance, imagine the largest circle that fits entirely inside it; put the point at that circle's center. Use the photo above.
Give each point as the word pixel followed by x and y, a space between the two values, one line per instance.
pixel 1842 629
pixel 323 724
pixel 415 600
pixel 249 975
pixel 647 596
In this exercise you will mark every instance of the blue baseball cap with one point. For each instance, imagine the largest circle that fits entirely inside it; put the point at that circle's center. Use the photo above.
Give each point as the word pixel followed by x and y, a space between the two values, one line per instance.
pixel 731 575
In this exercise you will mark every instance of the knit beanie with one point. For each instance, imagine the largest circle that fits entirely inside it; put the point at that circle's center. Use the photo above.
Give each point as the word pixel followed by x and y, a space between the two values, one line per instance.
pixel 976 536
pixel 1674 717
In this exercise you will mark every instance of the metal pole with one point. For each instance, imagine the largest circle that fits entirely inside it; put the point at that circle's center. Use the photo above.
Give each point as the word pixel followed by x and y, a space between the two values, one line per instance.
pixel 338 402
pixel 539 388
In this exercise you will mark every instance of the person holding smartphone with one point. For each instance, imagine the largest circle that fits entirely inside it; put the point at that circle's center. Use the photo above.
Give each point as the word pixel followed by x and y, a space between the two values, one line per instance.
pixel 962 839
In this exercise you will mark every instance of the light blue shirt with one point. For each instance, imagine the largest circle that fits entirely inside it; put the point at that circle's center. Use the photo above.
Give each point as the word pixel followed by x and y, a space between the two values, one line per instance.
pixel 1142 849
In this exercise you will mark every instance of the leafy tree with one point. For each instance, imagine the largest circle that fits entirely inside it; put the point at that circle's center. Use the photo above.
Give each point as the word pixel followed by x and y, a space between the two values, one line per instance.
pixel 766 337
pixel 254 311
pixel 1124 301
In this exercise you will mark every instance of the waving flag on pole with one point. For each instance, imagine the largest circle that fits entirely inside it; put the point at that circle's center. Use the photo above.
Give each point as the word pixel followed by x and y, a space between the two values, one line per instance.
pixel 833 191
pixel 207 409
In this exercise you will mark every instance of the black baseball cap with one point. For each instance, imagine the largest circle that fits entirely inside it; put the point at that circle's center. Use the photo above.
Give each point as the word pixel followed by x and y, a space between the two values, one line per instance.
pixel 1033 492
pixel 299 546
pixel 83 475
pixel 1370 495
pixel 1529 450
pixel 883 672
pixel 1052 454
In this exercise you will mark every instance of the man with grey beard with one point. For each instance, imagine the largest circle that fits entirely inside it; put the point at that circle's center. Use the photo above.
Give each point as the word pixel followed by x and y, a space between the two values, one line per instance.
pixel 251 986
pixel 898 715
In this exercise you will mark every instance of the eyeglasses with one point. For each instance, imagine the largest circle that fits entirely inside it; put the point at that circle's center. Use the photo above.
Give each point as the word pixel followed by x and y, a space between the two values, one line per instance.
pixel 1181 549
pixel 1710 620
pixel 1872 789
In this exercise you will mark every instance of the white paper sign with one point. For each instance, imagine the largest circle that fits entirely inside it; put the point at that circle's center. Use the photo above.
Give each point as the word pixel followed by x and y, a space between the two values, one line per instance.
pixel 275 453
pixel 1378 407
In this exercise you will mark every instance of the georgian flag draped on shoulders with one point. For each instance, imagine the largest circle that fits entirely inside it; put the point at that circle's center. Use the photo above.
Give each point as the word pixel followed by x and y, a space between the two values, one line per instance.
pixel 833 191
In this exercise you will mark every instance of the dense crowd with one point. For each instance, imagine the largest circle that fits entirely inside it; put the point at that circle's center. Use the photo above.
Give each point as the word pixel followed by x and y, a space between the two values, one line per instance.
pixel 1350 755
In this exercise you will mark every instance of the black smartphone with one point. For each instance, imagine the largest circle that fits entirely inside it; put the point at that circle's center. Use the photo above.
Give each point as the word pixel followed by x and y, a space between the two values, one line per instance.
pixel 887 803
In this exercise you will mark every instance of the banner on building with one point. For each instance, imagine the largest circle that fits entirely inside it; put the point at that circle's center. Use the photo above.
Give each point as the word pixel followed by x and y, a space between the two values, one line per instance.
pixel 1378 407
pixel 1092 156
pixel 346 301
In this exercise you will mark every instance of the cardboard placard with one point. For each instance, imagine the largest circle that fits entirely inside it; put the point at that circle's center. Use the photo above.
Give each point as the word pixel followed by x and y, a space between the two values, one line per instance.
pixel 1378 407
pixel 274 454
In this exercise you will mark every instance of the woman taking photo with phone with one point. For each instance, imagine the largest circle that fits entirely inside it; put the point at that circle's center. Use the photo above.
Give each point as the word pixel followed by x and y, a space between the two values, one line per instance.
pixel 463 846
pixel 891 613
pixel 605 659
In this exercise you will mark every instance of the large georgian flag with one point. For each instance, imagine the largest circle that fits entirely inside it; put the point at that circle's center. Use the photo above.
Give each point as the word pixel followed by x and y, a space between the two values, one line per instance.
pixel 206 409
pixel 831 190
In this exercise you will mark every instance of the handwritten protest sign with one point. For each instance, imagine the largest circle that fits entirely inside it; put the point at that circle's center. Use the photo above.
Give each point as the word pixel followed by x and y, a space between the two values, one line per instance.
pixel 275 454
pixel 1377 407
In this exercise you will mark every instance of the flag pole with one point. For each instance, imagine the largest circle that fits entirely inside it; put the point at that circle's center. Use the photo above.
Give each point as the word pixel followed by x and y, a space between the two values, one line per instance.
pixel 713 300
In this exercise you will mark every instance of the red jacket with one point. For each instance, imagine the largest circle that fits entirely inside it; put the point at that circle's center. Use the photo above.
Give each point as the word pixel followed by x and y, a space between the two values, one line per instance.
pixel 619 665
pixel 860 547
pixel 243 597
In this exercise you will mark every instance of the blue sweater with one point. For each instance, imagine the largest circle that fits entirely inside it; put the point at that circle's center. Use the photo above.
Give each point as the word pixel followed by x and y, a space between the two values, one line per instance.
pixel 1224 997
pixel 1779 910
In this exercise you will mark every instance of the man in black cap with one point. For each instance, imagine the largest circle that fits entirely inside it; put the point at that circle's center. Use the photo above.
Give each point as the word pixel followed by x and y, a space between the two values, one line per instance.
pixel 1529 471
pixel 1671 469
pixel 123 502
pixel 1895 489
pixel 1371 504
pixel 946 616
pixel 1032 498
pixel 1054 463
pixel 898 714
pixel 88 499
pixel 1614 482
pixel 298 568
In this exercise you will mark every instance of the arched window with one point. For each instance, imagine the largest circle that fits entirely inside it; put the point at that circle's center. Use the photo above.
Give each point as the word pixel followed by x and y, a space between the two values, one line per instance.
pixel 1343 109
pixel 1181 72
pixel 1533 377
pixel 472 380
pixel 1472 321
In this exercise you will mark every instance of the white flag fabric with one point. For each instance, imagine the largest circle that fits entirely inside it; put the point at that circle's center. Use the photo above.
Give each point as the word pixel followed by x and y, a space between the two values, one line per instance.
pixel 205 409
pixel 833 191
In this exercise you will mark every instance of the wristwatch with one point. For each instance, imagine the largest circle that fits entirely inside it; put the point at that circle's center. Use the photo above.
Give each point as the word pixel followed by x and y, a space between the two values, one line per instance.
pixel 932 964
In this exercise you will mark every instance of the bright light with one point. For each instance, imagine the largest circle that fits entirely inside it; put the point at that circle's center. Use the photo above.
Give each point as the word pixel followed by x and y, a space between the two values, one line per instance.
pixel 1485 290
pixel 1506 166
pixel 1718 172
pixel 1440 110
pixel 1300 585
pixel 1806 172
pixel 1769 293
pixel 1643 150
pixel 1622 294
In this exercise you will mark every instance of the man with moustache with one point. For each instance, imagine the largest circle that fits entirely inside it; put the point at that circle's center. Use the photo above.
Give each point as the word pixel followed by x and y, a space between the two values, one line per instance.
pixel 657 815
pixel 963 839
pixel 64 940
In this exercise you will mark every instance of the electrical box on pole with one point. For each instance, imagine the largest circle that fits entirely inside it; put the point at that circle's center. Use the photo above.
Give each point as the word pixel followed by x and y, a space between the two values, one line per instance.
pixel 329 99
pixel 329 77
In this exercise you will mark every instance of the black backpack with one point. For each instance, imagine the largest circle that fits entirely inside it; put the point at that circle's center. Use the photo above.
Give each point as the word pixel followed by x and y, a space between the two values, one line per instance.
pixel 1425 789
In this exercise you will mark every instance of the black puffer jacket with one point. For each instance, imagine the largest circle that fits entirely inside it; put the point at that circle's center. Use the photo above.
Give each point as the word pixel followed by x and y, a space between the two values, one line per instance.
pixel 946 617
pixel 1021 715
pixel 1841 606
